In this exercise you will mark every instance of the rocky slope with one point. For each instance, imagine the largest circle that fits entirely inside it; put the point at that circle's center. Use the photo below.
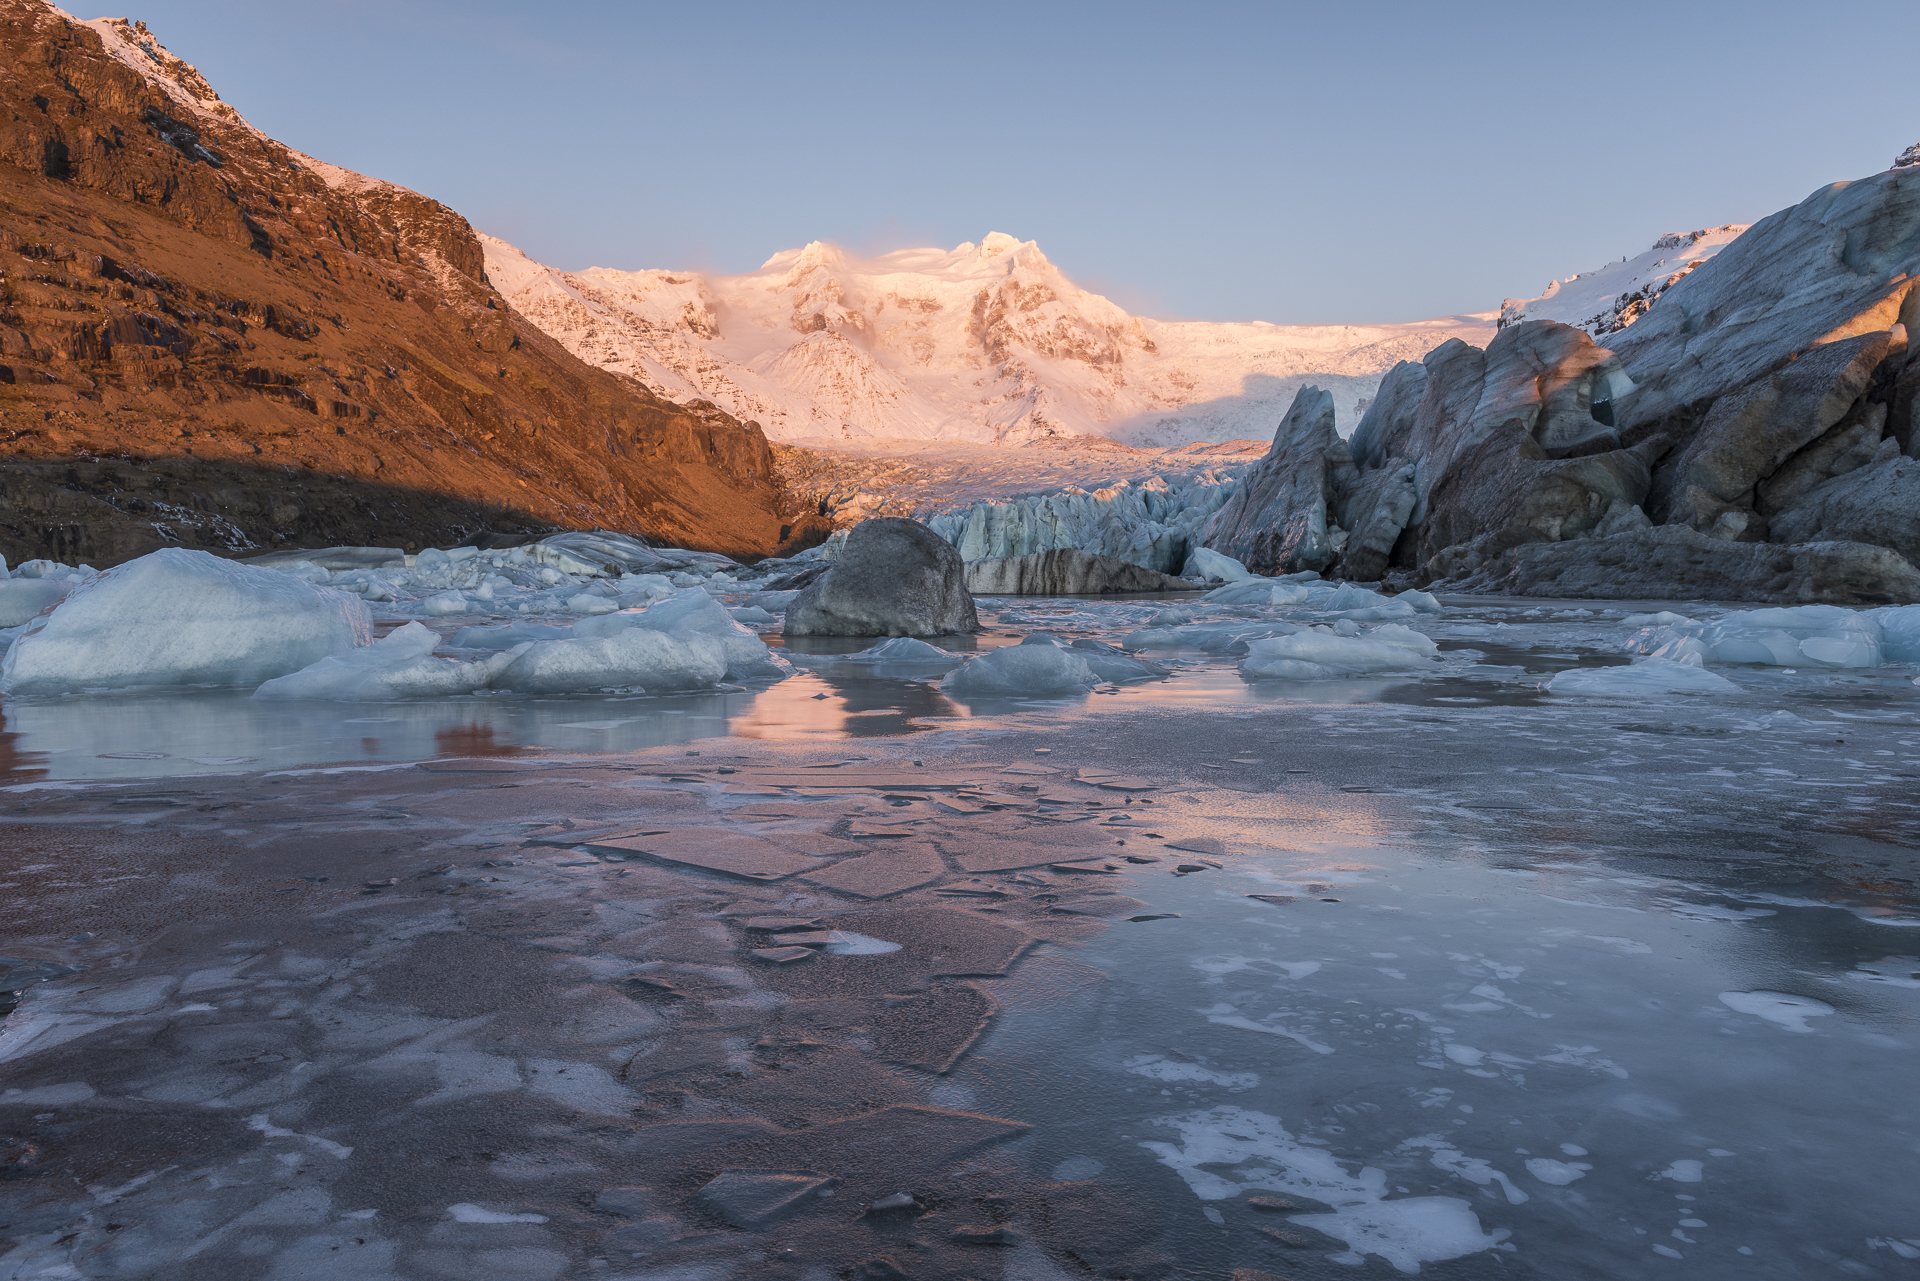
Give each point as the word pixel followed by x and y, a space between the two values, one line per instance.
pixel 986 343
pixel 209 339
pixel 1750 436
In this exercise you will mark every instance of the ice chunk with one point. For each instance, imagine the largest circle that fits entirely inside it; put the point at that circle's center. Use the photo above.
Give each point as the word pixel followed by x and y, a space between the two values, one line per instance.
pixel 628 658
pixel 692 612
pixel 1899 632
pixel 774 601
pixel 1649 676
pixel 1257 591
pixel 1205 562
pixel 441 604
pixel 507 637
pixel 22 599
pixel 1110 663
pixel 179 617
pixel 1232 637
pixel 400 665
pixel 1019 670
pixel 1801 636
pixel 752 616
pixel 589 603
pixel 1322 654
pixel 1227 1151
pixel 904 651
pixel 1558 1173
pixel 1790 1012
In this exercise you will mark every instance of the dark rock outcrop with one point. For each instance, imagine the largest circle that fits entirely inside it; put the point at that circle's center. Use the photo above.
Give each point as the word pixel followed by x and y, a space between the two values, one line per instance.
pixel 895 577
pixel 1748 437
pixel 1065 571
pixel 1672 562
pixel 208 339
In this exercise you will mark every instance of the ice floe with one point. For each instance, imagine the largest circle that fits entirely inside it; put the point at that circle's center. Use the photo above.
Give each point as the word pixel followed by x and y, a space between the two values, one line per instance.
pixel 1651 676
pixel 1320 653
pixel 179 617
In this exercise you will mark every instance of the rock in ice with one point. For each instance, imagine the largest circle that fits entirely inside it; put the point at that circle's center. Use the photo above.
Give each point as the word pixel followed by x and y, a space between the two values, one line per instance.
pixel 399 665
pixel 179 617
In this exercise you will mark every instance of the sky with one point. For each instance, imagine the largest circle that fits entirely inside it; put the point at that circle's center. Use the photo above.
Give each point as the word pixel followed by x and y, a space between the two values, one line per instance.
pixel 1346 162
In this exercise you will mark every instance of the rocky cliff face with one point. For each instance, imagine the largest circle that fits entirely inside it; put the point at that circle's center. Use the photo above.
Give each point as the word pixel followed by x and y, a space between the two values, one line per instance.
pixel 987 342
pixel 209 339
pixel 1750 436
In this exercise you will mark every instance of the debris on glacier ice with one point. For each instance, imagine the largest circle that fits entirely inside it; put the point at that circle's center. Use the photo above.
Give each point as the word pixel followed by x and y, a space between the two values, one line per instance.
pixel 399 665
pixel 1322 654
pixel 1065 571
pixel 1648 676
pixel 179 617
pixel 896 577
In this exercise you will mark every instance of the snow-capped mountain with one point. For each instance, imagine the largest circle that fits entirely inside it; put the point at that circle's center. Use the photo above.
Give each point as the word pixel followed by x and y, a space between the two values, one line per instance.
pixel 1609 299
pixel 985 342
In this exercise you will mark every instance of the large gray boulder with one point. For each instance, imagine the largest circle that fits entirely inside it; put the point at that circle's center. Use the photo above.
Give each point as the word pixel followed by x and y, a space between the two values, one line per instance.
pixel 894 577
pixel 1673 562
pixel 1065 572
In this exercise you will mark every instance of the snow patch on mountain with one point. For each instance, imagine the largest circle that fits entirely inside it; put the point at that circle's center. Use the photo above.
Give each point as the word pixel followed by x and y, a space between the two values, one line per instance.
pixel 987 342
pixel 1608 300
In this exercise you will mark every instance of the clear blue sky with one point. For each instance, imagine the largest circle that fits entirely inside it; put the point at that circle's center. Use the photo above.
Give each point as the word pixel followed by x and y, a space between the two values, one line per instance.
pixel 1295 163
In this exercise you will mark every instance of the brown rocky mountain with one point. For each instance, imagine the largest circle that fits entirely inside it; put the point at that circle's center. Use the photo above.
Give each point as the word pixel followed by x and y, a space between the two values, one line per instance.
pixel 209 339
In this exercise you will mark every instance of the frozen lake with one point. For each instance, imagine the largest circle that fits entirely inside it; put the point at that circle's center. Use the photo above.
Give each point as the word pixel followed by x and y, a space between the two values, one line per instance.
pixel 1469 978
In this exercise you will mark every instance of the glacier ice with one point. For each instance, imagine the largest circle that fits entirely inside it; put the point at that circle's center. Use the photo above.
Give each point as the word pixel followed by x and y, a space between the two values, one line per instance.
pixel 399 665
pixel 1154 524
pixel 1322 654
pixel 1648 676
pixel 1800 636
pixel 630 658
pixel 1206 563
pixel 22 599
pixel 901 652
pixel 690 612
pixel 178 617
pixel 1022 669
pixel 508 636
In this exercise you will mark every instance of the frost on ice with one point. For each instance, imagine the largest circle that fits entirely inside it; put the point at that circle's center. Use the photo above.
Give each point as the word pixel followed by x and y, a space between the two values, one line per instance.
pixel 1226 1151
pixel 179 617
